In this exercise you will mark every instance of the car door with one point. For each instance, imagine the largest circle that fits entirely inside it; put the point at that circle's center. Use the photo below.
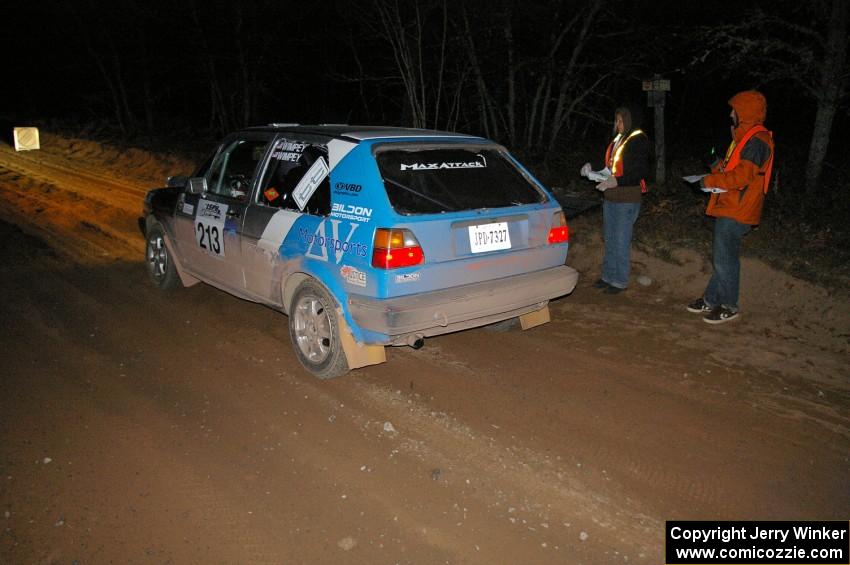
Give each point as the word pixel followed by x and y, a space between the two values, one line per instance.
pixel 295 187
pixel 215 249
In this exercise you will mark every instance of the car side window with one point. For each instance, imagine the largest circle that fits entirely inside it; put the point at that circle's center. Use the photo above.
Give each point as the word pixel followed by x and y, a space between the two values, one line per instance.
pixel 297 171
pixel 232 172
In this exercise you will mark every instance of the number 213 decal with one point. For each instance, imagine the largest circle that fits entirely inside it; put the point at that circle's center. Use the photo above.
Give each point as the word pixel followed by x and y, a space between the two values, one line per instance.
pixel 209 226
pixel 209 238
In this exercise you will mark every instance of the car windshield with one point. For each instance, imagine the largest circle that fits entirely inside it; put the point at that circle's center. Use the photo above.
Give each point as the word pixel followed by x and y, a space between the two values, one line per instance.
pixel 430 180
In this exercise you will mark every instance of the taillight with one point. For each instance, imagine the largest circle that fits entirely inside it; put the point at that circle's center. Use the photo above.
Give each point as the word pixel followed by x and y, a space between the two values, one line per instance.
pixel 559 233
pixel 393 249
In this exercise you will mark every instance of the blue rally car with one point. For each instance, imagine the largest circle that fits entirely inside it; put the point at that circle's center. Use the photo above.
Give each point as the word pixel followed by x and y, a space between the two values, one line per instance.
pixel 364 236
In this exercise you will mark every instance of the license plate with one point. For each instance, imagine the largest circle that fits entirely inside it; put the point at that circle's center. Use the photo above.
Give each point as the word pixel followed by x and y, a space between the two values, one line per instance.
pixel 489 237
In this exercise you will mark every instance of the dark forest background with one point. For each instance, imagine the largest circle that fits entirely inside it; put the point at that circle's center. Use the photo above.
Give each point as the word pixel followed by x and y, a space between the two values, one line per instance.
pixel 541 77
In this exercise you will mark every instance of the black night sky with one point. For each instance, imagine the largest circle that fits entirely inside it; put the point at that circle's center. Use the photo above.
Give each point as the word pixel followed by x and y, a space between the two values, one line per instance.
pixel 541 77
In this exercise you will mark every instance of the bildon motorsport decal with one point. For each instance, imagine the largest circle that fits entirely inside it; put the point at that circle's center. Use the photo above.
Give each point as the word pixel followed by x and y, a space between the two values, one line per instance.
pixel 320 242
pixel 350 212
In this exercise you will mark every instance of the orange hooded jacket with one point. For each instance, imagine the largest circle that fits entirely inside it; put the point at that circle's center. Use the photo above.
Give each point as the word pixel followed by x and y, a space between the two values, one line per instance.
pixel 744 180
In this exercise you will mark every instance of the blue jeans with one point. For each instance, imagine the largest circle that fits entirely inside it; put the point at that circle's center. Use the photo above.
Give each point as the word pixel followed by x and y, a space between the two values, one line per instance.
pixel 618 220
pixel 722 289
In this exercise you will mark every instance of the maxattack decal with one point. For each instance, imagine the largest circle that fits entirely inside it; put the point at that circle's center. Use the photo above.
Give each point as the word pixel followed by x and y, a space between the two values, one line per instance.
pixel 319 242
pixel 209 226
pixel 350 212
pixel 353 276
pixel 436 166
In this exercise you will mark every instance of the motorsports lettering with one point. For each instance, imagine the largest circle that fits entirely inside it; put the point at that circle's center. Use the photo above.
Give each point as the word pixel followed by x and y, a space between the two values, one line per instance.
pixel 209 226
pixel 319 239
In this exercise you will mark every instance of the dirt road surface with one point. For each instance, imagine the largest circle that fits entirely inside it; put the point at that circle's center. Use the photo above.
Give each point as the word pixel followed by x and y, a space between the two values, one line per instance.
pixel 145 427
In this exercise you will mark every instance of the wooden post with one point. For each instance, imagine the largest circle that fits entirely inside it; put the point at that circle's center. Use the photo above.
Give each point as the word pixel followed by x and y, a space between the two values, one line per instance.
pixel 656 90
pixel 660 171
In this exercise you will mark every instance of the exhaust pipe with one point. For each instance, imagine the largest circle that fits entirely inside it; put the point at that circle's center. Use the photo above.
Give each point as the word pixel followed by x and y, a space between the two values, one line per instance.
pixel 416 341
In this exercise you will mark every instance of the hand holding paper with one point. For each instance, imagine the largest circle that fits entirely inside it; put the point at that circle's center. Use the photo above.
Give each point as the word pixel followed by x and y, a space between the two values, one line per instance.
pixel 697 178
pixel 599 176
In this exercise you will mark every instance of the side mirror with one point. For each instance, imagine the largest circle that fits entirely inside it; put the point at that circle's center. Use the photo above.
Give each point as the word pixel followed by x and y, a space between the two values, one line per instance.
pixel 197 185
pixel 176 182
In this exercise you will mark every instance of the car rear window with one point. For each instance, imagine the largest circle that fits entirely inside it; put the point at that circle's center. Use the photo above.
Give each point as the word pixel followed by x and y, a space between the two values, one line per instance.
pixel 431 180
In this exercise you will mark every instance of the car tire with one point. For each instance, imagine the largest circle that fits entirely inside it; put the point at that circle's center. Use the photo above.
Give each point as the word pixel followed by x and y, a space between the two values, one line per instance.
pixel 314 331
pixel 161 269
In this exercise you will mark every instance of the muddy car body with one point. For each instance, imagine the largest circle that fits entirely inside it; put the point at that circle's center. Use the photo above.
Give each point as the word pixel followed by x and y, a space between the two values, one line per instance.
pixel 365 237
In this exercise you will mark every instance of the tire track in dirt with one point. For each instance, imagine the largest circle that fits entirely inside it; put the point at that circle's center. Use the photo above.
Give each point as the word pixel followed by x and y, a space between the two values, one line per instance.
pixel 516 482
pixel 71 223
pixel 49 166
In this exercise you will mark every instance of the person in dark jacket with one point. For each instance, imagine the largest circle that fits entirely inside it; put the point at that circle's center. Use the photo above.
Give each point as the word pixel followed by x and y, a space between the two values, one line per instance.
pixel 628 160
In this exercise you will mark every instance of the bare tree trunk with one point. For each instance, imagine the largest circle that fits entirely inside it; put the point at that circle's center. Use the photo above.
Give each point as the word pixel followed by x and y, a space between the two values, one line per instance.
pixel 219 120
pixel 442 65
pixel 561 114
pixel 509 41
pixel 833 82
pixel 488 112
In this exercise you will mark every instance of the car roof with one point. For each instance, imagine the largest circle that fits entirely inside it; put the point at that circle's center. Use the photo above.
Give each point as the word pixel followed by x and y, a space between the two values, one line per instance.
pixel 361 133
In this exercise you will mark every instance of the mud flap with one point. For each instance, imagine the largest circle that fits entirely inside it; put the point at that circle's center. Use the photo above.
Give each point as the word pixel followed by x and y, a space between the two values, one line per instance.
pixel 536 318
pixel 358 354
pixel 185 278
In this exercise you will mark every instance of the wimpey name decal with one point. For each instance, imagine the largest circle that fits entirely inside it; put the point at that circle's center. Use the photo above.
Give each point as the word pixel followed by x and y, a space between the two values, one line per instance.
pixel 288 151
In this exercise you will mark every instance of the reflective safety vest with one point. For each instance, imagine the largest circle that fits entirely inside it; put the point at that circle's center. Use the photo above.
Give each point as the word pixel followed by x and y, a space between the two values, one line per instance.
pixel 614 157
pixel 733 154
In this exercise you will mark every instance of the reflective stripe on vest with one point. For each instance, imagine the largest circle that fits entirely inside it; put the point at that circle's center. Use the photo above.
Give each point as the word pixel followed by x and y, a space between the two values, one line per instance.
pixel 733 154
pixel 615 162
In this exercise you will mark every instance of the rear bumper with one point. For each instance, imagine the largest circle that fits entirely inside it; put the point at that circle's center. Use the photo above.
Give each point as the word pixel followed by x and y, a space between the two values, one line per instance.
pixel 468 306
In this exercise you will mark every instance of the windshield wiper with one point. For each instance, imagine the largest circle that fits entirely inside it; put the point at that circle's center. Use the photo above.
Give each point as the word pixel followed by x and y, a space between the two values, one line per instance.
pixel 417 193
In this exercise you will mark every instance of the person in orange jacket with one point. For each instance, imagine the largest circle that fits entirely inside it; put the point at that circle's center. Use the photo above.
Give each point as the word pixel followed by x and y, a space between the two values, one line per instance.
pixel 742 178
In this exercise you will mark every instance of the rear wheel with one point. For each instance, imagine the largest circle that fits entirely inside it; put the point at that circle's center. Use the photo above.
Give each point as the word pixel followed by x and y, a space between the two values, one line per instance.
pixel 314 331
pixel 160 266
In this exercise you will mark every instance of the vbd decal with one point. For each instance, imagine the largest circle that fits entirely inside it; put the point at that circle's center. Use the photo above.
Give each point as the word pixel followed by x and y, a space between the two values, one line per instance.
pixel 347 188
pixel 319 242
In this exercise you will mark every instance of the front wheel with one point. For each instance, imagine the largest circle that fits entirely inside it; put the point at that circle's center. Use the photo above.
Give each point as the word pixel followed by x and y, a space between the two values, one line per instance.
pixel 314 331
pixel 160 266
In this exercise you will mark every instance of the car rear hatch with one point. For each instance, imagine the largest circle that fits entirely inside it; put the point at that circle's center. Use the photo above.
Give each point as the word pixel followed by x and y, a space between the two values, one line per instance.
pixel 473 211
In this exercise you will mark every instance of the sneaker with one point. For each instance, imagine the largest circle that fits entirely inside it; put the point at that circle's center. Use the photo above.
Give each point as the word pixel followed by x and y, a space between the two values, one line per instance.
pixel 720 315
pixel 699 306
pixel 600 284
